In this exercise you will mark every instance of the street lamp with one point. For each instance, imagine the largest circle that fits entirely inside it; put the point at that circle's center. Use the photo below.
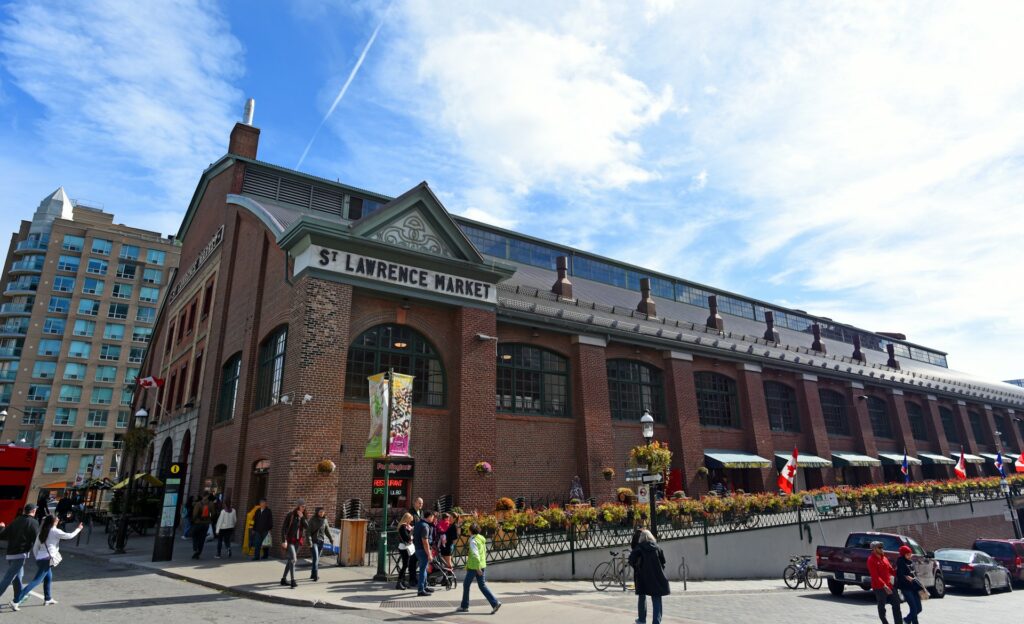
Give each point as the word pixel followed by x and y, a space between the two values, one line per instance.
pixel 140 420
pixel 647 429
pixel 1004 486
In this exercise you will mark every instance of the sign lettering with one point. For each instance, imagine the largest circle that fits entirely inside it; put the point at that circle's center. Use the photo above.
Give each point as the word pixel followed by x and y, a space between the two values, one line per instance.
pixel 190 272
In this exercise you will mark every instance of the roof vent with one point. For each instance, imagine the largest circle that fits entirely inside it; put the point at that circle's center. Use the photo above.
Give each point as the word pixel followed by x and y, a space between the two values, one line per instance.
pixel 714 318
pixel 892 363
pixel 646 304
pixel 857 353
pixel 816 345
pixel 562 287
pixel 770 333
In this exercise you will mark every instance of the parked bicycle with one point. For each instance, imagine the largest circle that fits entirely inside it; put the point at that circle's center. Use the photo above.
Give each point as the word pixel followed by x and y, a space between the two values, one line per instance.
pixel 616 571
pixel 801 570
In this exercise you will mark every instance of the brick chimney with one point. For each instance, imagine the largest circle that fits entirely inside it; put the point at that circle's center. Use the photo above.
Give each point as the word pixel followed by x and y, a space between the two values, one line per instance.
pixel 770 333
pixel 816 345
pixel 857 353
pixel 714 318
pixel 245 138
pixel 562 287
pixel 892 363
pixel 646 304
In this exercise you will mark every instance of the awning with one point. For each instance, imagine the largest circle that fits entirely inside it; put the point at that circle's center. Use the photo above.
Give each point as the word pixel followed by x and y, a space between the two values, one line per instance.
pixel 897 458
pixel 941 460
pixel 56 485
pixel 991 456
pixel 734 459
pixel 970 459
pixel 148 478
pixel 853 459
pixel 802 461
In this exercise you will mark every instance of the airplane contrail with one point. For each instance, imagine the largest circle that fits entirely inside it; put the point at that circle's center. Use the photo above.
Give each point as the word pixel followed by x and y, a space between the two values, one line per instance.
pixel 344 87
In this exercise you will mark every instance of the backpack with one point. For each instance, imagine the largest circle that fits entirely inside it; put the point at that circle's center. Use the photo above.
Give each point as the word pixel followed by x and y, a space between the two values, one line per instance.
pixel 205 513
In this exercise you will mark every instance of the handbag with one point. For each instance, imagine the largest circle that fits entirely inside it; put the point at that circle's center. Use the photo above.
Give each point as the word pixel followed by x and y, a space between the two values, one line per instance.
pixel 921 591
pixel 267 542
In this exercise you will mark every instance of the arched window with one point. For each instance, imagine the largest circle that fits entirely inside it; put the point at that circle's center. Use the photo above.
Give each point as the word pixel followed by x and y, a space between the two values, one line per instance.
pixel 532 381
pixel 833 409
pixel 634 387
pixel 229 375
pixel 166 458
pixel 878 412
pixel 916 417
pixel 717 400
pixel 186 446
pixel 949 424
pixel 402 348
pixel 780 400
pixel 976 428
pixel 271 368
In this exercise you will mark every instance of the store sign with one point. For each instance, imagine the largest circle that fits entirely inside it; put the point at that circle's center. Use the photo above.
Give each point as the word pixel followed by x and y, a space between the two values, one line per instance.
pixel 184 277
pixel 417 278
pixel 402 469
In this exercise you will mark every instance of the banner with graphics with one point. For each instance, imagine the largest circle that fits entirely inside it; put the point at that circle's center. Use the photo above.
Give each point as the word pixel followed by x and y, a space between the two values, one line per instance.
pixel 401 416
pixel 379 389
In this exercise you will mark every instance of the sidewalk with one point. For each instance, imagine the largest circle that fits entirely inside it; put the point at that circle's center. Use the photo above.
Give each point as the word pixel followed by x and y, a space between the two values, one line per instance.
pixel 354 587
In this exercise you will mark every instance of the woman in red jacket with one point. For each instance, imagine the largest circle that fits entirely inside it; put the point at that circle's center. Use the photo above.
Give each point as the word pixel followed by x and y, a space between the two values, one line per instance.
pixel 882 574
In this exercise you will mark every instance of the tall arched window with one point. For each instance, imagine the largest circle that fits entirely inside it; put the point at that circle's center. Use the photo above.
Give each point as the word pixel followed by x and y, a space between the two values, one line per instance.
pixel 976 428
pixel 780 400
pixel 949 424
pixel 532 381
pixel 186 446
pixel 917 425
pixel 229 375
pixel 717 400
pixel 879 414
pixel 402 348
pixel 271 368
pixel 634 387
pixel 833 409
pixel 163 465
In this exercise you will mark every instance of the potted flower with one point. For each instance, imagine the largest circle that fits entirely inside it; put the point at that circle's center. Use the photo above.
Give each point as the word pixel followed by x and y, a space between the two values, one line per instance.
pixel 625 495
pixel 483 468
pixel 325 466
pixel 654 455
pixel 503 508
pixel 609 473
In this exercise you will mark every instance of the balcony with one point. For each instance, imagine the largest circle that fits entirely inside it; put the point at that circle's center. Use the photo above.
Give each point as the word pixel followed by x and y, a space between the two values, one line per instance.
pixel 13 330
pixel 10 353
pixel 27 246
pixel 9 374
pixel 26 266
pixel 16 309
pixel 83 443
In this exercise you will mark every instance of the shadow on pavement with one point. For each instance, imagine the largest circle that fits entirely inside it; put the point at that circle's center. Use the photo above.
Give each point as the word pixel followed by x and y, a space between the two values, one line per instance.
pixel 136 603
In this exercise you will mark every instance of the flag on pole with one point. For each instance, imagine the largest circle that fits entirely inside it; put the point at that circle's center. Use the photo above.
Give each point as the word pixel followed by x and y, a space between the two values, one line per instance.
pixel 961 466
pixel 150 382
pixel 905 468
pixel 999 463
pixel 788 474
pixel 1019 464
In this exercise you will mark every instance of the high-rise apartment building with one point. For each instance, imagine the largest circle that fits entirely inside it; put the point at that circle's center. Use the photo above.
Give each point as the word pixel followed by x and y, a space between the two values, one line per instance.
pixel 79 301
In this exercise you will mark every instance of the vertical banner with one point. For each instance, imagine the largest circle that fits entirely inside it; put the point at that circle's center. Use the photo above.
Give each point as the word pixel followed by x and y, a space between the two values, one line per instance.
pixel 400 427
pixel 379 387
pixel 97 467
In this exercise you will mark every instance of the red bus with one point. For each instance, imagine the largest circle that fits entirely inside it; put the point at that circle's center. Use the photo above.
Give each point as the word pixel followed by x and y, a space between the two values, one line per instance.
pixel 17 464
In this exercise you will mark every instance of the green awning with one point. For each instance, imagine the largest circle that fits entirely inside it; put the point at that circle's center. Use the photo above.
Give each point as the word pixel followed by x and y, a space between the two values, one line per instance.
pixel 802 461
pixel 853 459
pixel 734 459
pixel 897 458
pixel 941 460
pixel 970 459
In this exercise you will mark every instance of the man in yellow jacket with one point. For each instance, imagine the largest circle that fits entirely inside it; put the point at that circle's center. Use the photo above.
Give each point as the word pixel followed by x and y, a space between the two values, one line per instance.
pixel 476 565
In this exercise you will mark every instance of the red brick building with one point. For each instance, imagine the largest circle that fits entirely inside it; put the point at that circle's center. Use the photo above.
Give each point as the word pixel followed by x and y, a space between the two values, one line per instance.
pixel 535 357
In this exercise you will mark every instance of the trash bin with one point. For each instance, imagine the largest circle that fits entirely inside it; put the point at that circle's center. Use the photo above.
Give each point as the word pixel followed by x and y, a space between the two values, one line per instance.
pixel 352 551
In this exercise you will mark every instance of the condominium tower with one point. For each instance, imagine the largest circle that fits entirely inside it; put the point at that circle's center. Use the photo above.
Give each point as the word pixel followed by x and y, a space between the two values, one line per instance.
pixel 79 301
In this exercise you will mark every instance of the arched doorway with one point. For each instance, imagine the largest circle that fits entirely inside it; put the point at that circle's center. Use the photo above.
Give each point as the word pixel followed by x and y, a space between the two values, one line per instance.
pixel 186 446
pixel 258 483
pixel 166 459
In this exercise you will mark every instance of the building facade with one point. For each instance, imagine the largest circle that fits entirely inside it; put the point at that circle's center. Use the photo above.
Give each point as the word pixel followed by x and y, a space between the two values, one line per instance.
pixel 79 304
pixel 535 357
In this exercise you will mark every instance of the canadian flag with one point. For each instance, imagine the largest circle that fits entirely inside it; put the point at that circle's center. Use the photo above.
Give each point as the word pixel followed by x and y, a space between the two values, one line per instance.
pixel 1019 464
pixel 961 466
pixel 788 474
pixel 150 382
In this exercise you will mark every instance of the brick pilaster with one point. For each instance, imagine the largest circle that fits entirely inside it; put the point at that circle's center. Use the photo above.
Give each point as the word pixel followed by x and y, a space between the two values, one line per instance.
pixel 814 424
pixel 967 433
pixel 988 423
pixel 595 442
pixel 474 426
pixel 862 430
pixel 933 420
pixel 1014 433
pixel 755 423
pixel 684 421
pixel 904 434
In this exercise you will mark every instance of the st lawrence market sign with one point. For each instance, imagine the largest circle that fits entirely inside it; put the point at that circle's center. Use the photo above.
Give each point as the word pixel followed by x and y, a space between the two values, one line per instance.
pixel 378 270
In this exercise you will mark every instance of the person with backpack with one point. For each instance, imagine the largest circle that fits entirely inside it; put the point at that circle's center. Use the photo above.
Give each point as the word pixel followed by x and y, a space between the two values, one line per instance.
pixel 648 563
pixel 202 517
pixel 20 536
pixel 224 529
pixel 46 552
pixel 292 536
pixel 476 565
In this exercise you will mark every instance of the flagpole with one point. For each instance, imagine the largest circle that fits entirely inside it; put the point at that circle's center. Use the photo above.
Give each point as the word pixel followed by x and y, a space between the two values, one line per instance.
pixel 382 550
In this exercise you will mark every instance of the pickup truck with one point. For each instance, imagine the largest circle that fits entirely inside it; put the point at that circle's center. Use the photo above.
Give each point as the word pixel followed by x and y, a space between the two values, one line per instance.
pixel 848 565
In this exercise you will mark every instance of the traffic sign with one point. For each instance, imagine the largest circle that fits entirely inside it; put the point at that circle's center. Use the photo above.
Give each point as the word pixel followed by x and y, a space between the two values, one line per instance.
pixel 651 478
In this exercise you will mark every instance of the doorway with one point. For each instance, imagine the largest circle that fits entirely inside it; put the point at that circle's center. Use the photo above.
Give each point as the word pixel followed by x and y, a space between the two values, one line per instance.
pixel 258 484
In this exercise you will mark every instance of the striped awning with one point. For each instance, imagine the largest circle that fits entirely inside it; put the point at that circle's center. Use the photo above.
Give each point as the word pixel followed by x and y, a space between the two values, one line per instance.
pixel 931 458
pixel 897 459
pixel 970 459
pixel 716 458
pixel 853 459
pixel 802 461
pixel 991 456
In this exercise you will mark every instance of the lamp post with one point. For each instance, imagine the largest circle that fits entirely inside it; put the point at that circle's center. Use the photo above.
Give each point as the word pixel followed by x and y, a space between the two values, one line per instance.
pixel 647 428
pixel 1004 486
pixel 140 420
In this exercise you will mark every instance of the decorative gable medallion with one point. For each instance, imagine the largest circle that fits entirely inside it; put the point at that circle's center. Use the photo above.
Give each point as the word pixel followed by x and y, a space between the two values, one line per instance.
pixel 413 232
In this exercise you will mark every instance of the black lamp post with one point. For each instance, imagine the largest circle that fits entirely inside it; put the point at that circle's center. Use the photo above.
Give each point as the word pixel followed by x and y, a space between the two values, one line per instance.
pixel 140 420
pixel 647 427
pixel 1004 486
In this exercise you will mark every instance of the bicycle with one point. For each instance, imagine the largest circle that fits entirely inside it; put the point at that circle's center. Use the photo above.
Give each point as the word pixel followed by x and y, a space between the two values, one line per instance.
pixel 616 571
pixel 800 570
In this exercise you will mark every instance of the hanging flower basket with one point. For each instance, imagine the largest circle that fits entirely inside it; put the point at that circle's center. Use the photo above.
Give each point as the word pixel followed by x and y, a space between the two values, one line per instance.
pixel 326 466
pixel 655 456
pixel 483 468
pixel 609 473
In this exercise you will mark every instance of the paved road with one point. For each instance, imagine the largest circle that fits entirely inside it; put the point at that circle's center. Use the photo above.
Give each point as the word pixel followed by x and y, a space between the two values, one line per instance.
pixel 89 590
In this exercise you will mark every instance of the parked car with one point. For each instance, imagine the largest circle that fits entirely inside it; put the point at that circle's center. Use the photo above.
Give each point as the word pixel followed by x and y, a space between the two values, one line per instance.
pixel 848 565
pixel 1008 552
pixel 973 569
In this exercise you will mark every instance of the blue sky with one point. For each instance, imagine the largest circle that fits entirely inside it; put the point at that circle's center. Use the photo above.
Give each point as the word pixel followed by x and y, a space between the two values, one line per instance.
pixel 860 162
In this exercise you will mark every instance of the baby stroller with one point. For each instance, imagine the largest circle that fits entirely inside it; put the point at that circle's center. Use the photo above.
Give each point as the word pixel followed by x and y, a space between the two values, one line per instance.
pixel 438 573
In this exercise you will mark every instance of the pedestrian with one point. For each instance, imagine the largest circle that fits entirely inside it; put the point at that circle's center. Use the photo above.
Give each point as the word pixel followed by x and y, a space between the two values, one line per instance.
pixel 42 505
pixel 319 532
pixel 262 525
pixel 292 535
pixel 451 535
pixel 576 490
pixel 20 536
pixel 65 509
pixel 405 553
pixel 882 574
pixel 907 583
pixel 648 563
pixel 224 529
pixel 417 510
pixel 476 565
pixel 186 517
pixel 422 537
pixel 202 517
pixel 46 552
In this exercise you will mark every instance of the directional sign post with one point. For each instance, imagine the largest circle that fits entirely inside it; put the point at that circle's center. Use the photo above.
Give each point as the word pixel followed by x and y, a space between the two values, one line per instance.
pixel 651 478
